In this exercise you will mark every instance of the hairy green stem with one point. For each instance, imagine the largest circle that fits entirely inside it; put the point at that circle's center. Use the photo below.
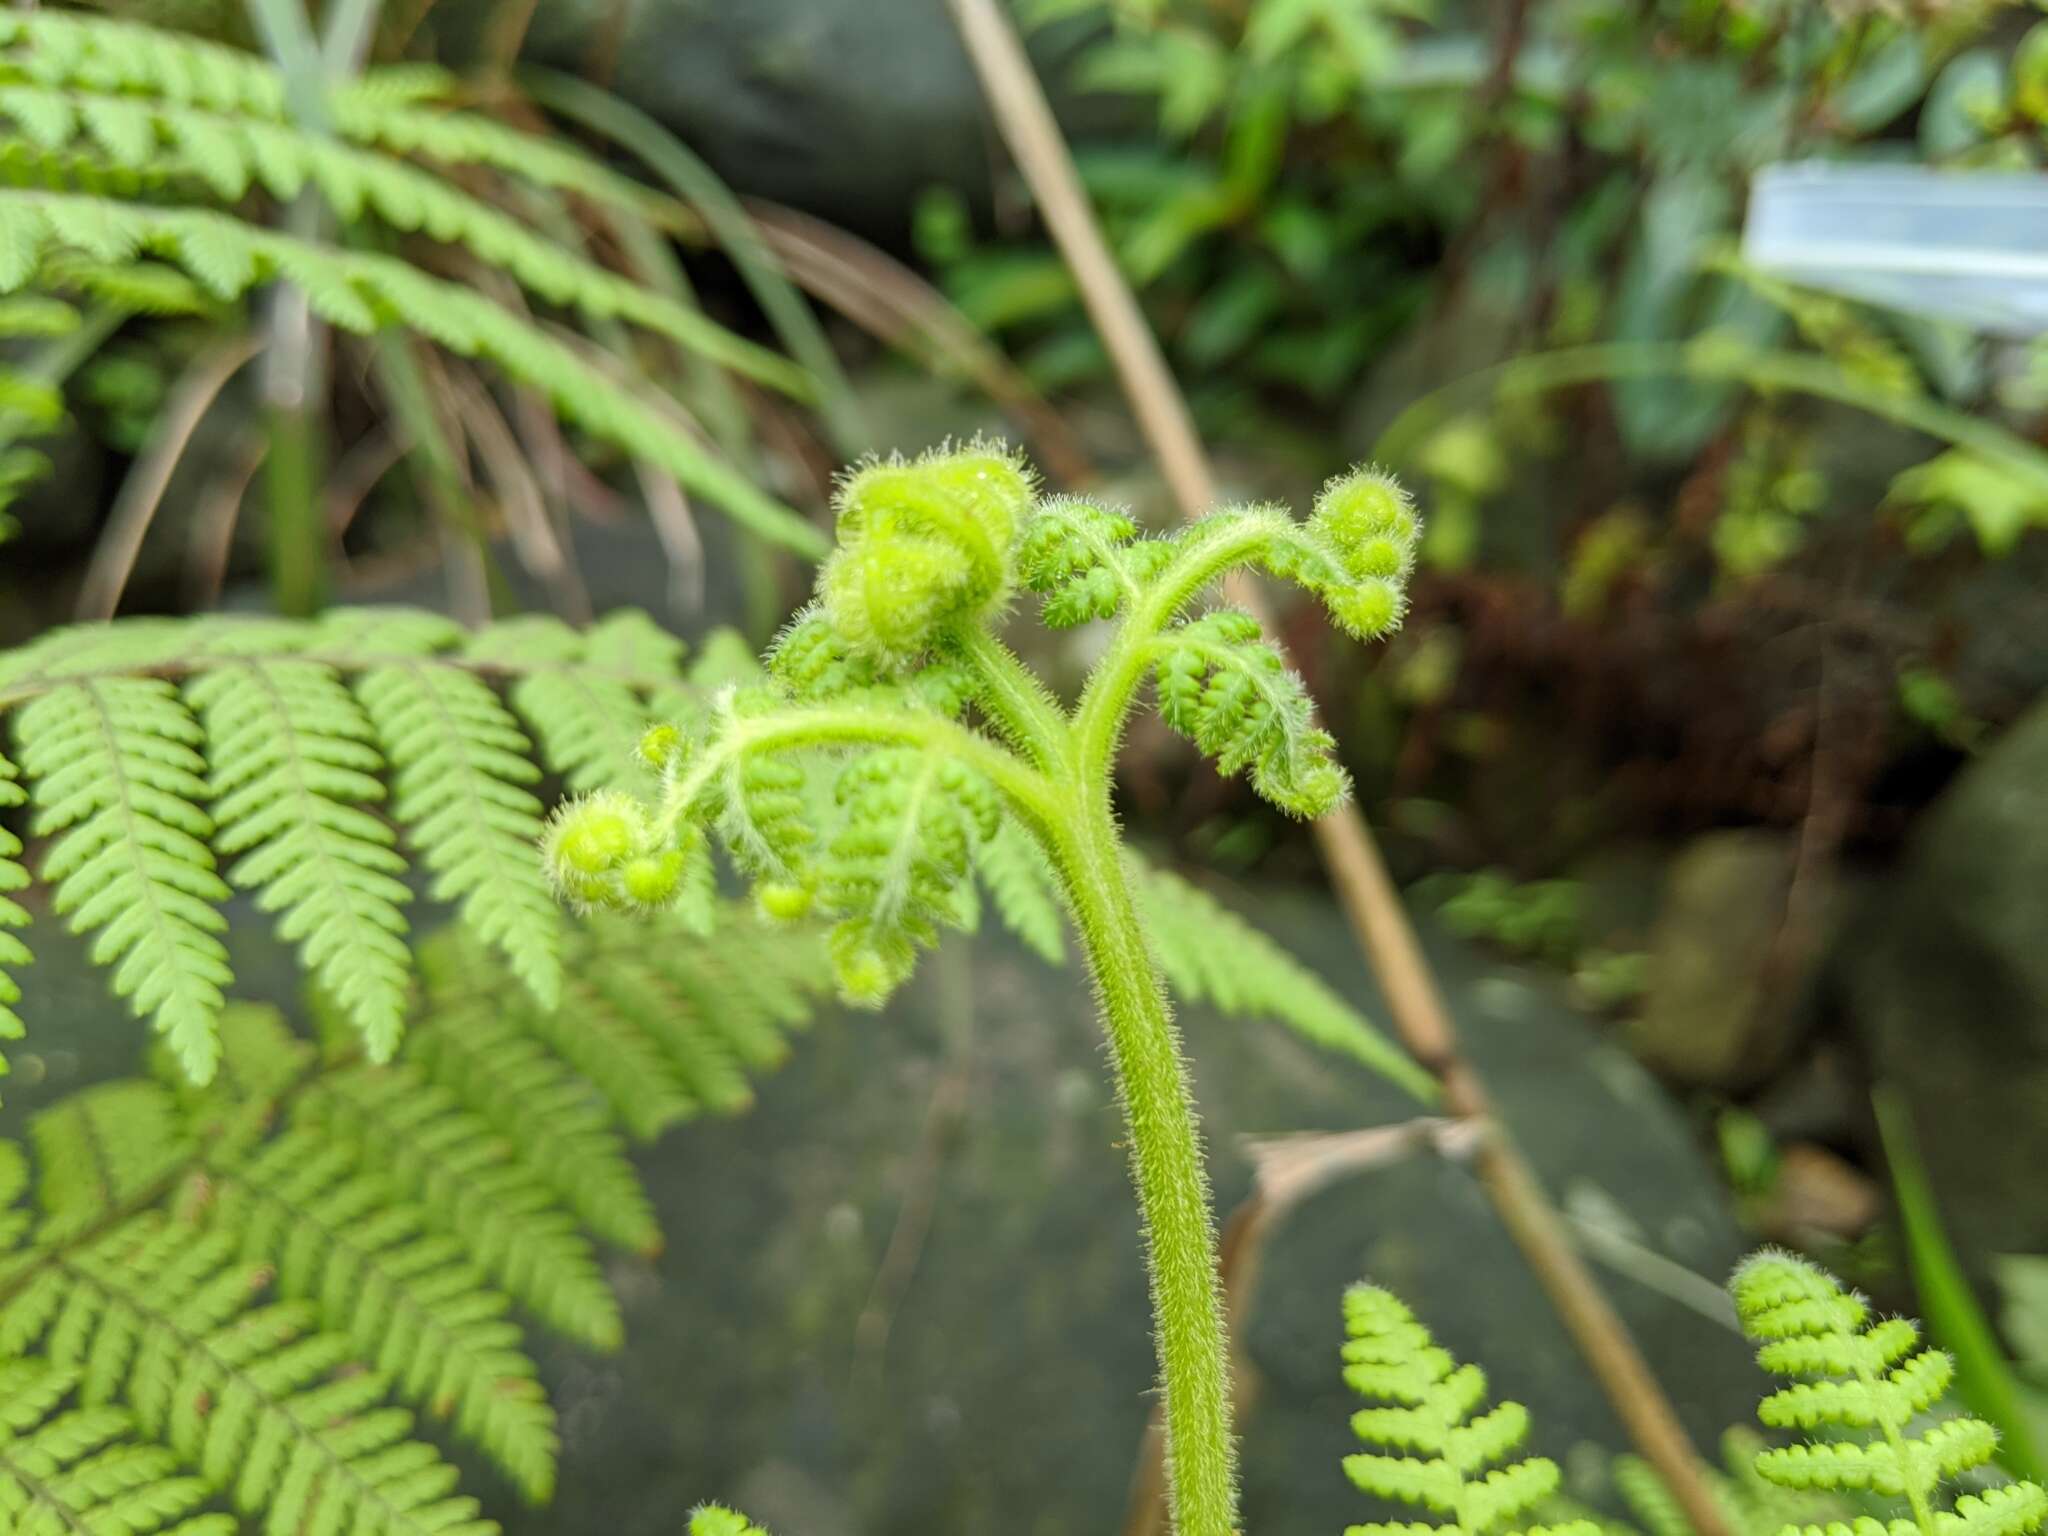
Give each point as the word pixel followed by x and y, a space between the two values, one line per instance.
pixel 1166 1166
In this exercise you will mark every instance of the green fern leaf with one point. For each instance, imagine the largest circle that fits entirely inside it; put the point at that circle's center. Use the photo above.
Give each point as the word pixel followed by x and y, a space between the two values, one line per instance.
pixel 461 765
pixel 72 1470
pixel 1020 882
pixel 1211 955
pixel 115 768
pixel 295 765
pixel 1087 560
pixel 1872 1384
pixel 586 716
pixel 1444 1458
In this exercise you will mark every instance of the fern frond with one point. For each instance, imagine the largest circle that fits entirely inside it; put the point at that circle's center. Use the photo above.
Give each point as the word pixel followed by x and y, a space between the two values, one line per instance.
pixel 231 154
pixel 362 292
pixel 115 767
pixel 1231 694
pixel 397 108
pixel 102 1151
pixel 1020 881
pixel 299 727
pixel 1873 1384
pixel 1087 560
pixel 461 765
pixel 163 1317
pixel 1447 1459
pixel 1211 955
pixel 1749 1504
pixel 295 765
pixel 72 1470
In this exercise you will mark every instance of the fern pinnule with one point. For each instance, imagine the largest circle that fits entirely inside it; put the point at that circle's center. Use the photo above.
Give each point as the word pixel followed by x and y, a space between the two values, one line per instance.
pixel 1437 1449
pixel 1023 888
pixel 115 769
pixel 1221 686
pixel 460 770
pixel 717 1520
pixel 74 1470
pixel 295 770
pixel 1871 1383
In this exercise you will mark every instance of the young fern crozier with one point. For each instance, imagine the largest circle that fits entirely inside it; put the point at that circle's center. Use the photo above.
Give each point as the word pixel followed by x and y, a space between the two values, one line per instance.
pixel 897 740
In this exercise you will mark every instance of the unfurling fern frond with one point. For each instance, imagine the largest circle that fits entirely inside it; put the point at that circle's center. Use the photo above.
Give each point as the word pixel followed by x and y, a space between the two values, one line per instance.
pixel 717 1520
pixel 287 1279
pixel 1867 1383
pixel 1437 1449
pixel 1231 694
pixel 1086 560
pixel 74 1469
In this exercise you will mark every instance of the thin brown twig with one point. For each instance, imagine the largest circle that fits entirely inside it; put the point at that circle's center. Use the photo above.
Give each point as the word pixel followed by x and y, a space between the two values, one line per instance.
pixel 135 507
pixel 895 305
pixel 212 540
pixel 1352 860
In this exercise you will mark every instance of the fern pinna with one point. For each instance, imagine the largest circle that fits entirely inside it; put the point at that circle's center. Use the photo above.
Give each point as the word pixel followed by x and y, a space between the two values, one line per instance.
pixel 257 1293
pixel 1867 1387
pixel 135 153
pixel 1437 1449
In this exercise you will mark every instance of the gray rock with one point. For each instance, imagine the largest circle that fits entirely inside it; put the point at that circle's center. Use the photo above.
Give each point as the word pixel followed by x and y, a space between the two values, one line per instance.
pixel 1730 986
pixel 1946 978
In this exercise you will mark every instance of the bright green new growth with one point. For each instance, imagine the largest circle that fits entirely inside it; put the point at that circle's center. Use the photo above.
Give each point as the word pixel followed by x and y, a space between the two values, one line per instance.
pixel 1869 1383
pixel 898 747
pixel 111 131
pixel 716 1520
pixel 1436 1448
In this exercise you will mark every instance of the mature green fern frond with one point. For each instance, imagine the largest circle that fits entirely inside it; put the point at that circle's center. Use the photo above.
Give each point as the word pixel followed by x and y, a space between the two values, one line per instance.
pixel 1437 1449
pixel 364 292
pixel 230 155
pixel 1750 1505
pixel 115 768
pixel 1870 1383
pixel 72 1470
pixel 287 732
pixel 295 765
pixel 1213 956
pixel 398 108
pixel 272 1274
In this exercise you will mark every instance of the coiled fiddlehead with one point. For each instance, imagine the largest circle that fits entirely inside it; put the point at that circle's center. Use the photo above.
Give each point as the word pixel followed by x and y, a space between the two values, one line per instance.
pixel 1863 1384
pixel 897 739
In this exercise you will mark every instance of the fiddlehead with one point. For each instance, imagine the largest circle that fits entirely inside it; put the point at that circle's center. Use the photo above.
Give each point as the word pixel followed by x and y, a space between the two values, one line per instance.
pixel 896 749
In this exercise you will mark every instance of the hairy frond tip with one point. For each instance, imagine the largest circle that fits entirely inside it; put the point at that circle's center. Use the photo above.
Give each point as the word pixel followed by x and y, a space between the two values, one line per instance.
pixel 717 1520
pixel 1863 1384
pixel 1436 1449
pixel 603 854
pixel 924 545
pixel 1367 526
